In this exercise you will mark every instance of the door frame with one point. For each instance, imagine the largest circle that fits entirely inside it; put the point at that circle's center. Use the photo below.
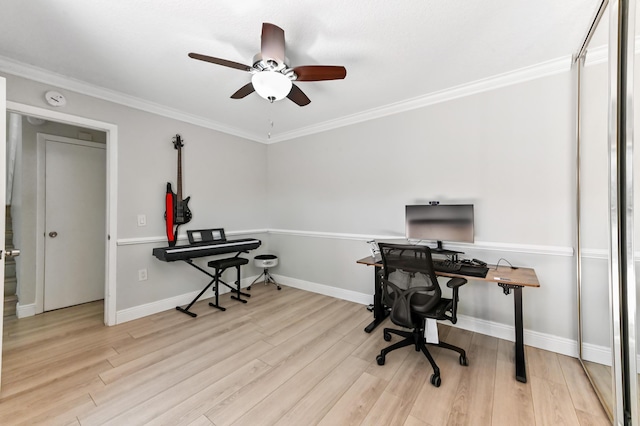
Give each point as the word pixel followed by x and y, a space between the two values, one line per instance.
pixel 111 131
pixel 42 139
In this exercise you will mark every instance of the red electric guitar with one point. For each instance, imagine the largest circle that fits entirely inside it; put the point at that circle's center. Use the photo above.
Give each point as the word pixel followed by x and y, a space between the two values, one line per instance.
pixel 177 211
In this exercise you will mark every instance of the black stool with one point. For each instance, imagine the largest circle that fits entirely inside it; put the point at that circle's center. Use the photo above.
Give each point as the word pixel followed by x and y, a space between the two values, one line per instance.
pixel 220 266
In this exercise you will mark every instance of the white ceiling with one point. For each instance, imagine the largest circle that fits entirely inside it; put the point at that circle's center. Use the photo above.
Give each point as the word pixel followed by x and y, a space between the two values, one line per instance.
pixel 394 51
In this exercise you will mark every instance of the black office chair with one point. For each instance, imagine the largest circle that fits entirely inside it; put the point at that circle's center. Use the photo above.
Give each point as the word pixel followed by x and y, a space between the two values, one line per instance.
pixel 421 299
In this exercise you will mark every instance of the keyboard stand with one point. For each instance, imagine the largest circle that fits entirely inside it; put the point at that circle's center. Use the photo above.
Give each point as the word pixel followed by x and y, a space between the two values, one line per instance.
pixel 215 282
pixel 216 290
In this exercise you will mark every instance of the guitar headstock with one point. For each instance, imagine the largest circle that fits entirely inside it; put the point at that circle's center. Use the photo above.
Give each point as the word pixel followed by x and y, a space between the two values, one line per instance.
pixel 177 142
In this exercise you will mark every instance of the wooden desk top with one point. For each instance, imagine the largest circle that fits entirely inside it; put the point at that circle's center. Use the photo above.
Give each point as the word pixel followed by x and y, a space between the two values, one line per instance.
pixel 525 277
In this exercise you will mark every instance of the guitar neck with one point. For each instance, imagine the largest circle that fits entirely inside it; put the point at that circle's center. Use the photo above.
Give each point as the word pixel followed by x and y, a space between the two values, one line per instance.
pixel 179 189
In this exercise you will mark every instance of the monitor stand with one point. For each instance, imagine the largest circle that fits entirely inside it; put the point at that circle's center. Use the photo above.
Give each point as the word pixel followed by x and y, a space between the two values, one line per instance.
pixel 439 250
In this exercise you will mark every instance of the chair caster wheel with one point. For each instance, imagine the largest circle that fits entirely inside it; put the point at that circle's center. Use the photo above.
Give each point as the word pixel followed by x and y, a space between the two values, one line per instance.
pixel 435 380
pixel 380 359
pixel 279 288
pixel 249 288
pixel 387 336
pixel 464 361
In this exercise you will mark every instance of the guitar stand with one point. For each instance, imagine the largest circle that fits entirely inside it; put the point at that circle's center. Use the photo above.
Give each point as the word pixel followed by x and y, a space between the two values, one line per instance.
pixel 219 265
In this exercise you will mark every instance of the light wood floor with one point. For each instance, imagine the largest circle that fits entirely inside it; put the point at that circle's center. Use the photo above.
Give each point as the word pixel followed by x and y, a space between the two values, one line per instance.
pixel 287 357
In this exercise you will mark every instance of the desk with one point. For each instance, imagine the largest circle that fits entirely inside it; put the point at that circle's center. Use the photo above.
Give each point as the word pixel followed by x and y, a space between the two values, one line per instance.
pixel 510 279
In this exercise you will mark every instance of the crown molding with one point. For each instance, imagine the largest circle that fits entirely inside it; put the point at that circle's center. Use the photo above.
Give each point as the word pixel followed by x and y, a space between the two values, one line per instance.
pixel 42 75
pixel 521 75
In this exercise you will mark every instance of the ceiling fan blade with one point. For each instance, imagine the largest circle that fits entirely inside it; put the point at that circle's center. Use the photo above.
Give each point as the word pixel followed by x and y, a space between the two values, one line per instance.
pixel 219 61
pixel 245 90
pixel 298 96
pixel 320 72
pixel 272 42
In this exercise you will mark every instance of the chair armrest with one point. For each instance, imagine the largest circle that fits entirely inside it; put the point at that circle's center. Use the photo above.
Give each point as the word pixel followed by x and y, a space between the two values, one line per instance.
pixel 456 282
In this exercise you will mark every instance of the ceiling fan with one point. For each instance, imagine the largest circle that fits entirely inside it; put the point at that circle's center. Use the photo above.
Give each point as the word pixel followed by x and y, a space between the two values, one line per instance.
pixel 272 78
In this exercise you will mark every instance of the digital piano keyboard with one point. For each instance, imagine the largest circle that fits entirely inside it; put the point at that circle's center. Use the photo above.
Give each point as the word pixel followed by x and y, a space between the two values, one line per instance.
pixel 205 248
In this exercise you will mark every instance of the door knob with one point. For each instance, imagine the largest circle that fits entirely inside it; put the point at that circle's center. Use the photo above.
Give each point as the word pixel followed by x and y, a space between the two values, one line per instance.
pixel 53 234
pixel 12 253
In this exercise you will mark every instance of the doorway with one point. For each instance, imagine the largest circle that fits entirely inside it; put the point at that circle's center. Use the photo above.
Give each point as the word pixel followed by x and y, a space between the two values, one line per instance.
pixel 110 131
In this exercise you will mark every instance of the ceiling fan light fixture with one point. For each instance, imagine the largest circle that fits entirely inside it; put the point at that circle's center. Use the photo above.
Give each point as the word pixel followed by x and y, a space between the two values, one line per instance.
pixel 271 85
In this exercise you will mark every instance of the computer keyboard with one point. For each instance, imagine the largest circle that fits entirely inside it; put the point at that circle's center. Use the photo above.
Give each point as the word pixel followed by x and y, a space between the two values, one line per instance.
pixel 446 266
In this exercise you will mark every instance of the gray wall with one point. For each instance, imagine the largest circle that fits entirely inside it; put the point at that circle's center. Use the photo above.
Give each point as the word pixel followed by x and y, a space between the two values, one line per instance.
pixel 509 151
pixel 224 174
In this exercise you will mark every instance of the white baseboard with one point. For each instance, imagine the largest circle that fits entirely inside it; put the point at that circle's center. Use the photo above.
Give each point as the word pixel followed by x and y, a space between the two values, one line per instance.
pixel 147 309
pixel 327 290
pixel 561 345
pixel 598 354
pixel 502 331
pixel 536 339
pixel 23 311
pixel 549 342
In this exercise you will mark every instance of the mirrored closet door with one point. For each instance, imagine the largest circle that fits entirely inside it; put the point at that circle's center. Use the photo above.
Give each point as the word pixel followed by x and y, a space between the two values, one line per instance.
pixel 606 190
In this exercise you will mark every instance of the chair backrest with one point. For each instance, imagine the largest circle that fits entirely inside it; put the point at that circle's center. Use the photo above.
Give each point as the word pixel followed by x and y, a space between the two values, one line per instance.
pixel 409 281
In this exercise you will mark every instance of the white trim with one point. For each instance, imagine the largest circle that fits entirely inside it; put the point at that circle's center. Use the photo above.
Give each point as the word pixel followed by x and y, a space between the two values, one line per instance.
pixel 549 342
pixel 602 254
pixel 521 75
pixel 595 254
pixel 478 245
pixel 536 339
pixel 111 193
pixel 147 309
pixel 334 235
pixel 47 77
pixel 23 311
pixel 181 237
pixel 597 55
pixel 598 354
pixel 327 290
pixel 600 54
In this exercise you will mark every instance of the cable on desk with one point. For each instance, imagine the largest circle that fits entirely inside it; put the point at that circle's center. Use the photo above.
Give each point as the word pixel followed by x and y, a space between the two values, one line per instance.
pixel 502 258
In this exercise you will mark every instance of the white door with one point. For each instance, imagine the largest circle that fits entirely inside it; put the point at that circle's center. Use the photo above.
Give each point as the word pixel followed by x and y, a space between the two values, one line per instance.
pixel 75 182
pixel 3 168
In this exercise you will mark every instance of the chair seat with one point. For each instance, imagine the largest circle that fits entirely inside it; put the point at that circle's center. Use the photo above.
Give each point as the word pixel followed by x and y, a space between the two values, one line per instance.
pixel 228 262
pixel 436 312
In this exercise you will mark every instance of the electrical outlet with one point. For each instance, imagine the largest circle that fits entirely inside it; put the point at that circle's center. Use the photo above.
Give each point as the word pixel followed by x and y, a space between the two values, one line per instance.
pixel 142 220
pixel 142 274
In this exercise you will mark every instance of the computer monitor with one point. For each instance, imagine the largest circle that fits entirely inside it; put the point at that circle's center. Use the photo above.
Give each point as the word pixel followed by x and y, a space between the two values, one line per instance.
pixel 440 222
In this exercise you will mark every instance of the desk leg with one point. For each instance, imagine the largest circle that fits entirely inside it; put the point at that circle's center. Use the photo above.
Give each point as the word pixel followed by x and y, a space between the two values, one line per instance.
pixel 521 371
pixel 521 368
pixel 379 311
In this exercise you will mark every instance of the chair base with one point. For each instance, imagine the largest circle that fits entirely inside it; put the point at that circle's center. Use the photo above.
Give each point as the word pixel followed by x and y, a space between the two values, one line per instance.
pixel 416 338
pixel 268 279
